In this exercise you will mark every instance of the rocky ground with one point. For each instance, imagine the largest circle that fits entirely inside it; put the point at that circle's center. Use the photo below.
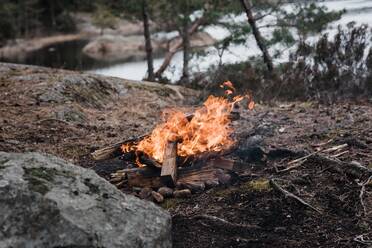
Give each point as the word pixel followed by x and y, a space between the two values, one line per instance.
pixel 70 114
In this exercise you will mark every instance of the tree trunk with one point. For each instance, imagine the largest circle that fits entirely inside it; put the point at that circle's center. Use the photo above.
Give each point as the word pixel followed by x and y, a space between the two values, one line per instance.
pixel 169 55
pixel 146 33
pixel 247 6
pixel 186 52
pixel 52 14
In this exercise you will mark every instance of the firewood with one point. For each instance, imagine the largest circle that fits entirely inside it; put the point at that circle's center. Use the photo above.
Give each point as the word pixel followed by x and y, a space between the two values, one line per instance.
pixel 169 167
pixel 146 160
pixel 114 150
pixel 209 174
pixel 150 176
pixel 147 176
pixel 228 164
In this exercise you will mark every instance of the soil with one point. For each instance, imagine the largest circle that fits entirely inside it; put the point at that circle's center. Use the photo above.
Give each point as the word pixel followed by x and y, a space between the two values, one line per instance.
pixel 246 213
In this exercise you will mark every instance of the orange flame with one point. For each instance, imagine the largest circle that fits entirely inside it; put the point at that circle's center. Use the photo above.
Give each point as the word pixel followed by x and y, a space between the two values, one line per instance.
pixel 208 130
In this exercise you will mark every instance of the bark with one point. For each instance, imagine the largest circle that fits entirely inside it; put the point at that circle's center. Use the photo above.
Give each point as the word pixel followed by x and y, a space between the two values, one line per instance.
pixel 247 6
pixel 146 33
pixel 172 50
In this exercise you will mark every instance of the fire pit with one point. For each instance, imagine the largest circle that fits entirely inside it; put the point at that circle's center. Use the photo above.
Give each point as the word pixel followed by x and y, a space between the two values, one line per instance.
pixel 185 151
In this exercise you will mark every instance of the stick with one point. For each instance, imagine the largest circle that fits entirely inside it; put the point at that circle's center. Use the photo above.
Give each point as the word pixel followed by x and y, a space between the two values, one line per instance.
pixel 339 166
pixel 336 148
pixel 324 143
pixel 222 221
pixel 290 195
pixel 302 158
pixel 169 167
pixel 362 191
pixel 293 166
pixel 339 154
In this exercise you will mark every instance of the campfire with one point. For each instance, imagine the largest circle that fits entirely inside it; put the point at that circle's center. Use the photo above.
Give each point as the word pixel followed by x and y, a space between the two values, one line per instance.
pixel 186 150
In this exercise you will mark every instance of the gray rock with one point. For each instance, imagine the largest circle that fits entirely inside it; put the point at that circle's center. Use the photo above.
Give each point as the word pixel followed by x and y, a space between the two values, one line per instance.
pixel 47 202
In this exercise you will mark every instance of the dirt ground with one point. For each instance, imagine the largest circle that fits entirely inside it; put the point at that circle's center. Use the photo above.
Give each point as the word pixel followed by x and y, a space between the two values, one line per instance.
pixel 71 114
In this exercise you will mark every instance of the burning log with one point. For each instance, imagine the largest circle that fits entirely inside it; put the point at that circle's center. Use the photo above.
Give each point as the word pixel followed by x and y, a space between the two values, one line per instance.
pixel 114 150
pixel 169 167
pixel 146 160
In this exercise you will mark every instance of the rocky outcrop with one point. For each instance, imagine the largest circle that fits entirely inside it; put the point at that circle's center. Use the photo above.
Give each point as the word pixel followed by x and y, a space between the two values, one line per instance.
pixel 47 202
pixel 68 113
pixel 131 48
pixel 118 48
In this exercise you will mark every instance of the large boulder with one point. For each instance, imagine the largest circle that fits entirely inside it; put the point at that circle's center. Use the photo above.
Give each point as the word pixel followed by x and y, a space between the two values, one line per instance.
pixel 48 202
pixel 132 48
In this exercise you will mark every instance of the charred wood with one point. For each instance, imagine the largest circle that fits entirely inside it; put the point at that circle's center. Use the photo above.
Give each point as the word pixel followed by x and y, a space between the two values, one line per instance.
pixel 114 150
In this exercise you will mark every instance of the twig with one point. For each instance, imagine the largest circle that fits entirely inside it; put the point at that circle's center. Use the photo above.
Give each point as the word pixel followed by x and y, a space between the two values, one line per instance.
pixel 362 191
pixel 364 154
pixel 293 166
pixel 339 154
pixel 288 194
pixel 335 148
pixel 324 143
pixel 354 169
pixel 360 239
pixel 223 221
pixel 302 158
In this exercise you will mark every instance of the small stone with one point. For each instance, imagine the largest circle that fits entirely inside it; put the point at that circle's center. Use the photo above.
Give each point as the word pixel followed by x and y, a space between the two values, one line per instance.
pixel 183 193
pixel 165 191
pixel 145 193
pixel 157 197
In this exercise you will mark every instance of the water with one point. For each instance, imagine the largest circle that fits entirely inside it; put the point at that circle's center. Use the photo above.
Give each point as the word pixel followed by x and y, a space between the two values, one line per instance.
pixel 66 55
